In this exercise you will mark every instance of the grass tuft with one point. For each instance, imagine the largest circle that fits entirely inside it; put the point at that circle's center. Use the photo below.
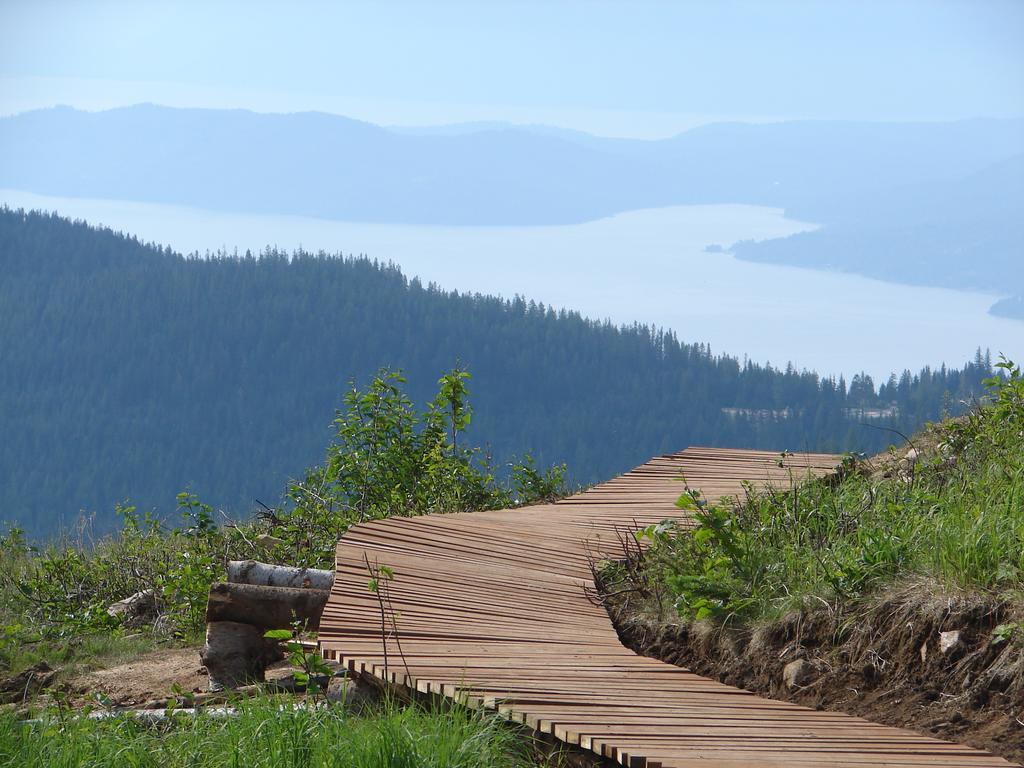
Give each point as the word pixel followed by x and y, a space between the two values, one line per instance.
pixel 268 735
pixel 951 513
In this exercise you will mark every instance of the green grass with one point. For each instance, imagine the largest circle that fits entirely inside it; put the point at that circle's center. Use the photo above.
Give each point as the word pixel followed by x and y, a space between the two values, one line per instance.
pixel 53 600
pixel 954 517
pixel 269 735
pixel 73 655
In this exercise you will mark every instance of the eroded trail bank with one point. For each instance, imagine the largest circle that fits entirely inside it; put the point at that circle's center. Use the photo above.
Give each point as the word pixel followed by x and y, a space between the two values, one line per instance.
pixel 948 666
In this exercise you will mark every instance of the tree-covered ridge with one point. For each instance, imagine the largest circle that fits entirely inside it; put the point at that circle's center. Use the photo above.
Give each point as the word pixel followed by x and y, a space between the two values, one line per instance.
pixel 127 371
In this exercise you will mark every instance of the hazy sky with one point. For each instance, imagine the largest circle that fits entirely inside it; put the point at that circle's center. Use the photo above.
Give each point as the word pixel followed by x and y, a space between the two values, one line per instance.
pixel 624 68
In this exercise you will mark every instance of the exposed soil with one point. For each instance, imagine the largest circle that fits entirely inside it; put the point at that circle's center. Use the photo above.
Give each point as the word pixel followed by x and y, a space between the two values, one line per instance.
pixel 150 676
pixel 885 664
pixel 153 676
pixel 27 683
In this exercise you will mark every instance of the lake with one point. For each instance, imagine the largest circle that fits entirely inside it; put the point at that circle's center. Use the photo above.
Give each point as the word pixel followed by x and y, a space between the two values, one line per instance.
pixel 645 266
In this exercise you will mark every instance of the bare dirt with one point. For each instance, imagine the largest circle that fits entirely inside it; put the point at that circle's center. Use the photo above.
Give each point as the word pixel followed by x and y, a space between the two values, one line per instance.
pixel 885 664
pixel 150 676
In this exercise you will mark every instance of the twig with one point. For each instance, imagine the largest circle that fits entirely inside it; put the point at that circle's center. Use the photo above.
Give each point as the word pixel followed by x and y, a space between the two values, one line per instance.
pixel 890 429
pixel 394 629
pixel 28 682
pixel 380 605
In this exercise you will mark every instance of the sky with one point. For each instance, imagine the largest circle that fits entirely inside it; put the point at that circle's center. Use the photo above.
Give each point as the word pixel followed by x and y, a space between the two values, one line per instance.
pixel 642 69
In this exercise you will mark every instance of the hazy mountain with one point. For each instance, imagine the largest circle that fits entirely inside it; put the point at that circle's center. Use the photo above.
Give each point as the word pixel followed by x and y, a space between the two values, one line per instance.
pixel 1012 306
pixel 131 372
pixel 478 126
pixel 924 203
pixel 324 165
pixel 965 233
pixel 313 164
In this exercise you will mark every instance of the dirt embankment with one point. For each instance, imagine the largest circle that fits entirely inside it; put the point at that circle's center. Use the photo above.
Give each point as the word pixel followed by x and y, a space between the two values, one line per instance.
pixel 918 659
pixel 151 676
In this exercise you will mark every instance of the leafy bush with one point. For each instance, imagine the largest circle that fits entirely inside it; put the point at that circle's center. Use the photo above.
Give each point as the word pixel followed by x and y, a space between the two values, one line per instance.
pixel 953 513
pixel 385 459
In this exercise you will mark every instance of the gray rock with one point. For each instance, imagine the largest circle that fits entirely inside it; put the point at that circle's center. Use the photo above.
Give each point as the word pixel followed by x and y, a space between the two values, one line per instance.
pixel 135 609
pixel 268 542
pixel 26 683
pixel 797 673
pixel 353 694
pixel 950 642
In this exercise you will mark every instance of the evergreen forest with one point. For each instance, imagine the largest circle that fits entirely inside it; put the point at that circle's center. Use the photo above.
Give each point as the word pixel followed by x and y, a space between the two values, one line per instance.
pixel 132 373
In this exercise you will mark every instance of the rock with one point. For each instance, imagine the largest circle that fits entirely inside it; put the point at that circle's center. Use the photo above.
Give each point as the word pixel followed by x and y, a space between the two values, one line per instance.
pixel 797 673
pixel 266 541
pixel 288 684
pixel 26 683
pixel 135 609
pixel 911 455
pixel 950 642
pixel 340 690
pixel 354 694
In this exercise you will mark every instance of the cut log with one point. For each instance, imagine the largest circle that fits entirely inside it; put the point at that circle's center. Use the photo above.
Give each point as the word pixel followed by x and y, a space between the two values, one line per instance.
pixel 266 607
pixel 267 575
pixel 236 654
pixel 135 610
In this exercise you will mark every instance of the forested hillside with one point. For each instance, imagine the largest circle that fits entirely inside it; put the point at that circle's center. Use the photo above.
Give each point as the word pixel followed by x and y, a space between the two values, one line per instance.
pixel 127 371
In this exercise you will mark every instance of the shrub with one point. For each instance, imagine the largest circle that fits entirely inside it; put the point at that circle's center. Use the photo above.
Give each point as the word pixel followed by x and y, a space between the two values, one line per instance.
pixel 386 459
pixel 953 513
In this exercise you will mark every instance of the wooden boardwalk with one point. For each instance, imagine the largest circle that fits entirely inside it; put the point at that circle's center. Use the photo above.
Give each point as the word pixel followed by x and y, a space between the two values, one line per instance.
pixel 491 609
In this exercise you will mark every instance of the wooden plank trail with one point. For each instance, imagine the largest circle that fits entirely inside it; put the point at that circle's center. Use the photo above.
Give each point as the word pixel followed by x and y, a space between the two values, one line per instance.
pixel 492 610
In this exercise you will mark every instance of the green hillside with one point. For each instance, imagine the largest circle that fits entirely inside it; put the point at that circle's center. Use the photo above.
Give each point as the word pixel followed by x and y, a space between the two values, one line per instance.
pixel 127 371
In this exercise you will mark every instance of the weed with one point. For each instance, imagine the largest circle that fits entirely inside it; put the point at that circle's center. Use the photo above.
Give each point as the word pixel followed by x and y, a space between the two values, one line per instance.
pixel 954 515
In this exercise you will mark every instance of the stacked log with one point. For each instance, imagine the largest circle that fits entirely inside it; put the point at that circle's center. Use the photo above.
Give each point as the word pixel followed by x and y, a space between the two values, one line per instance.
pixel 266 607
pixel 266 575
pixel 258 597
pixel 236 654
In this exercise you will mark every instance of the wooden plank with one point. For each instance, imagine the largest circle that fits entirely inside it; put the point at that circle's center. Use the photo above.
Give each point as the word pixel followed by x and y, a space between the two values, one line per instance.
pixel 491 609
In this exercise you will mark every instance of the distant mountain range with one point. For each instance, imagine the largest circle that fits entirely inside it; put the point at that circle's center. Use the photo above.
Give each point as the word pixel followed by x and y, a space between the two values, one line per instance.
pixel 967 233
pixel 926 203
pixel 325 165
